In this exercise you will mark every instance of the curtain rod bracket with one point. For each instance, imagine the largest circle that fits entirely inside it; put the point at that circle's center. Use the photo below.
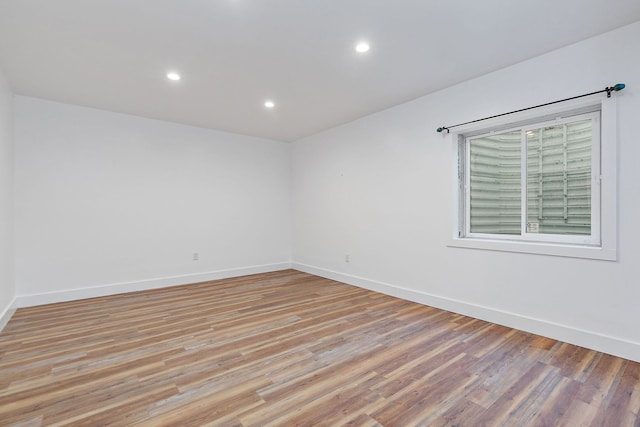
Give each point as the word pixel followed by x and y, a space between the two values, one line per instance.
pixel 615 88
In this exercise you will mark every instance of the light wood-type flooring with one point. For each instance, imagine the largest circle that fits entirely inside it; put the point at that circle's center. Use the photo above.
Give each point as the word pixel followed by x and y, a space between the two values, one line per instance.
pixel 290 349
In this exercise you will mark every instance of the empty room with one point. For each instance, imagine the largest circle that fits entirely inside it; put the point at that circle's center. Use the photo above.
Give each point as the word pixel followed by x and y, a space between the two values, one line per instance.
pixel 319 213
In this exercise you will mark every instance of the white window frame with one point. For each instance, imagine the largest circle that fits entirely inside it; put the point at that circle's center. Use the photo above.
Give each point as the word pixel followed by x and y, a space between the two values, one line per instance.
pixel 594 238
pixel 602 244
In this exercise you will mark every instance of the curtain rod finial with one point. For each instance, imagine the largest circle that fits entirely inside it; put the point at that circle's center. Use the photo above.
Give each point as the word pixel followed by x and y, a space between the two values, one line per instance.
pixel 443 128
pixel 615 88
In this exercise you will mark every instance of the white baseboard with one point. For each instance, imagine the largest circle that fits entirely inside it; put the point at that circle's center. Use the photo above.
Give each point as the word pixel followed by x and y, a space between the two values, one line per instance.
pixel 6 314
pixel 588 339
pixel 142 285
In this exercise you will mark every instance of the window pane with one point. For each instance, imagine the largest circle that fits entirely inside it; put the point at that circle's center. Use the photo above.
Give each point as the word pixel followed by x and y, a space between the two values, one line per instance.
pixel 559 179
pixel 495 203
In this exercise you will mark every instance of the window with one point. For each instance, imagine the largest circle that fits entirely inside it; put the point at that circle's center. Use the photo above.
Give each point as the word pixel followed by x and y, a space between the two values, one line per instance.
pixel 536 184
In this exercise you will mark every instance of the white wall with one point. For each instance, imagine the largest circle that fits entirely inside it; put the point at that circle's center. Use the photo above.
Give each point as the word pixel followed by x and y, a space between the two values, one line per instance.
pixel 7 290
pixel 379 189
pixel 108 203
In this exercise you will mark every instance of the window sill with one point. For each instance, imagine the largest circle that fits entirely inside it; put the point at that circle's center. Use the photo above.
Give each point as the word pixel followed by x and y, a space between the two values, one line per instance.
pixel 571 251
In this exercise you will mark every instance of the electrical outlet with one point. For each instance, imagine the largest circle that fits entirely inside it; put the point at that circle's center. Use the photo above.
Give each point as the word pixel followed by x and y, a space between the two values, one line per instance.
pixel 196 256
pixel 347 258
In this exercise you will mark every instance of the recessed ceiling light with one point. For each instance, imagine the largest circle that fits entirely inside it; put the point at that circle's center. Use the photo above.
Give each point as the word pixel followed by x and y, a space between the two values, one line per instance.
pixel 173 76
pixel 269 104
pixel 362 47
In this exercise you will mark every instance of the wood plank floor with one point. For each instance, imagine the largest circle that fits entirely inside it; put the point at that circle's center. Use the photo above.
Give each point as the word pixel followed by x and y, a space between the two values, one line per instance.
pixel 289 349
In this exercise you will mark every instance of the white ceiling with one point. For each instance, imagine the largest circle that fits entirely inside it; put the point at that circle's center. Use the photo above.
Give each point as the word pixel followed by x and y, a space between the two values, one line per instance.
pixel 234 54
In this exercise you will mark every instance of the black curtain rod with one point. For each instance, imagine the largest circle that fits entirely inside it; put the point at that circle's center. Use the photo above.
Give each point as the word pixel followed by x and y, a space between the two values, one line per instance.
pixel 615 88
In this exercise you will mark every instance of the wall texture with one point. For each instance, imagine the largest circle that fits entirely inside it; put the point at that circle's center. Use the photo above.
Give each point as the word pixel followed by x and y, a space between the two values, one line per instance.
pixel 108 203
pixel 380 190
pixel 7 290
